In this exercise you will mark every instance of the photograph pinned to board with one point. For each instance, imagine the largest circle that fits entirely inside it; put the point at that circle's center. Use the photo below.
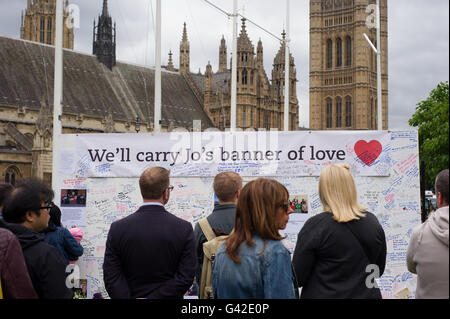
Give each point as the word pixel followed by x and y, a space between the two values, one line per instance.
pixel 299 204
pixel 81 292
pixel 298 217
pixel 73 207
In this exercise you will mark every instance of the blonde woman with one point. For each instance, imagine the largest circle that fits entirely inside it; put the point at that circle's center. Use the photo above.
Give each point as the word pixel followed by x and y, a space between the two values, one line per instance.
pixel 340 251
pixel 253 263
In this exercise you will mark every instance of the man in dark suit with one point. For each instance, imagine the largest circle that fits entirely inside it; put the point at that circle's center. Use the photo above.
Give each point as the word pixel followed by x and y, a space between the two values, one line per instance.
pixel 151 253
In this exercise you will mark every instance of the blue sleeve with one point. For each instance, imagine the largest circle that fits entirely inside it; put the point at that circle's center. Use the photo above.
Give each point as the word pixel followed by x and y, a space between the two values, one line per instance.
pixel 278 277
pixel 73 249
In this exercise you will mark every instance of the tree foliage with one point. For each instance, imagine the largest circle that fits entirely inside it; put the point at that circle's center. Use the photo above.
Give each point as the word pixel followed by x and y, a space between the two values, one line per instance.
pixel 432 119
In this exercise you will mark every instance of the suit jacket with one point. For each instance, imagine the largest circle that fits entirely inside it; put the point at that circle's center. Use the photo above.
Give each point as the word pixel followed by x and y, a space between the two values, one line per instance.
pixel 149 254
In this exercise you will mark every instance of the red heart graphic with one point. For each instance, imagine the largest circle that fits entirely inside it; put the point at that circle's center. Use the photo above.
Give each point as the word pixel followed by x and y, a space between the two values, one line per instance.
pixel 368 152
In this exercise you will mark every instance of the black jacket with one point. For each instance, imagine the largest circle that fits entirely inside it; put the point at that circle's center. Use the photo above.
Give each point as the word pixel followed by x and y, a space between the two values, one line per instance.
pixel 149 254
pixel 330 262
pixel 221 221
pixel 45 266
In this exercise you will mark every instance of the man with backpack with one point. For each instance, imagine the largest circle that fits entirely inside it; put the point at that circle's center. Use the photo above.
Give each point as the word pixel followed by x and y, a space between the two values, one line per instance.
pixel 227 186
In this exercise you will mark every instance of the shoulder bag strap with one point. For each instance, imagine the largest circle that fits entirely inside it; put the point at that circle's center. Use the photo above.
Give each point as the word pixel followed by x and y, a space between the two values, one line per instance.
pixel 206 229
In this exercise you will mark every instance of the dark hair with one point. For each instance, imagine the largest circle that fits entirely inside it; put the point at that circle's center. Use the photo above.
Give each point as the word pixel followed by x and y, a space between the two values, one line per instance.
pixel 55 219
pixel 153 182
pixel 28 196
pixel 442 184
pixel 5 190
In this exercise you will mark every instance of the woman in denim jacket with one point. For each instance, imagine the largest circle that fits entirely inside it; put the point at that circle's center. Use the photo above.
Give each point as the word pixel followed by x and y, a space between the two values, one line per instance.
pixel 253 263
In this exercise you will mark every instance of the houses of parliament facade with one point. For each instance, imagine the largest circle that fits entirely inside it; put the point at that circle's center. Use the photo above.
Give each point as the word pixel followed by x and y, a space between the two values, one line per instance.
pixel 102 95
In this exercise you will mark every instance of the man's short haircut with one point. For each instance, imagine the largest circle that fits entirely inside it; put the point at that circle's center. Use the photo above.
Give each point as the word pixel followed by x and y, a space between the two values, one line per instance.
pixel 442 184
pixel 28 196
pixel 226 184
pixel 5 190
pixel 153 182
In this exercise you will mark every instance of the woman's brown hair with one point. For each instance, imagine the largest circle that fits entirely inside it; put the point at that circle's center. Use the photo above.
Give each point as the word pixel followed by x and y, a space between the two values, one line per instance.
pixel 256 211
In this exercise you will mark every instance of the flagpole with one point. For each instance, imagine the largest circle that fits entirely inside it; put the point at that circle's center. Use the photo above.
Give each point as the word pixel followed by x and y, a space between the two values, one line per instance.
pixel 157 123
pixel 286 72
pixel 57 92
pixel 234 70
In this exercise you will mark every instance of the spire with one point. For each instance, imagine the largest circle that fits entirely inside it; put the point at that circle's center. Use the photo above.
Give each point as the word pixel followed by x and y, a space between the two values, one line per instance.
pixel 222 55
pixel 244 43
pixel 170 64
pixel 259 53
pixel 105 8
pixel 184 52
pixel 185 38
pixel 29 4
pixel 104 46
pixel 243 28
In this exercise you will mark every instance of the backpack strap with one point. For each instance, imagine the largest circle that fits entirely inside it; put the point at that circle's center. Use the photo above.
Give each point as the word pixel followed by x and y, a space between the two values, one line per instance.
pixel 206 229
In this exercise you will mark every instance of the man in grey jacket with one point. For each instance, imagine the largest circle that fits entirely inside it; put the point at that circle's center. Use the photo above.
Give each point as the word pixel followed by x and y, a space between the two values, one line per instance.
pixel 227 186
pixel 427 254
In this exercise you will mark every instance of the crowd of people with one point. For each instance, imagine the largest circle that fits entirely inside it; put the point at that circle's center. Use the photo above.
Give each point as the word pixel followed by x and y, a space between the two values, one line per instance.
pixel 234 253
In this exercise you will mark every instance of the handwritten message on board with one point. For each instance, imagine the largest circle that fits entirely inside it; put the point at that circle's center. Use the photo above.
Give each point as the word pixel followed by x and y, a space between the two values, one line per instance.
pixel 394 199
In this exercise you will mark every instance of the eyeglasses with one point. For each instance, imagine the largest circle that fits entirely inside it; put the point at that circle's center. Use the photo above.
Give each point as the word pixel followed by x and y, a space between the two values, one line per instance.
pixel 170 188
pixel 50 206
pixel 285 206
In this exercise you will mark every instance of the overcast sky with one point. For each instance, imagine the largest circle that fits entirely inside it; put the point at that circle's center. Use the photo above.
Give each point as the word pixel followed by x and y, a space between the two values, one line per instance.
pixel 418 39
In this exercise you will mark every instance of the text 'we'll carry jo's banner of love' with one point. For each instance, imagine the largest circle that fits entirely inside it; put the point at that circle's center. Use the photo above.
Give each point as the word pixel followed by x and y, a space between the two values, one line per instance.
pixel 263 153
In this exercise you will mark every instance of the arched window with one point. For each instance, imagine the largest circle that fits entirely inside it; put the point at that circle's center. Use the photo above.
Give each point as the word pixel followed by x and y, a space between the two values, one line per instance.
pixel 244 76
pixel 338 112
pixel 252 77
pixel 12 174
pixel 329 54
pixel 329 113
pixel 338 52
pixel 49 31
pixel 348 111
pixel 348 44
pixel 42 31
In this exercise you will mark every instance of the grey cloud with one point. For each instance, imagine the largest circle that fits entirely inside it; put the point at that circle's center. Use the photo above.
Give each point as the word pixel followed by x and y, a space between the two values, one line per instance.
pixel 418 39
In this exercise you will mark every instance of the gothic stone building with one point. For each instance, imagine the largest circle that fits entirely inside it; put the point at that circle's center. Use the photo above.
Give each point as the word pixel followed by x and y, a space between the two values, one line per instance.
pixel 38 23
pixel 343 67
pixel 102 95
pixel 98 97
pixel 260 102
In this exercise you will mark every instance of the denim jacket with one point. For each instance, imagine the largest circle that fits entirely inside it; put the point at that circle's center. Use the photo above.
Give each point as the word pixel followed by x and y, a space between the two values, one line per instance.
pixel 261 274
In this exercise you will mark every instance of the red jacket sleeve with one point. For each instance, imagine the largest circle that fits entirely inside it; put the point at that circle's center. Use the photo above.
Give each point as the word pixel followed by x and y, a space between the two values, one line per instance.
pixel 16 282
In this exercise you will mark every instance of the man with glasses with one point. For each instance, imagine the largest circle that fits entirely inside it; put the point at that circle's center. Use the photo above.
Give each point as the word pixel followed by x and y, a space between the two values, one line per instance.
pixel 26 213
pixel 151 253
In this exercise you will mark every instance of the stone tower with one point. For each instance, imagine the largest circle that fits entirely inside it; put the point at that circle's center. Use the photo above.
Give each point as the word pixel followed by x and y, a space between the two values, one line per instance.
pixel 343 67
pixel 278 84
pixel 104 42
pixel 38 23
pixel 260 54
pixel 223 55
pixel 246 84
pixel 170 66
pixel 184 52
